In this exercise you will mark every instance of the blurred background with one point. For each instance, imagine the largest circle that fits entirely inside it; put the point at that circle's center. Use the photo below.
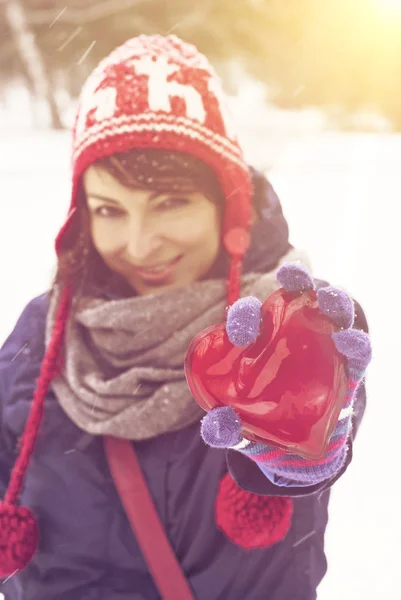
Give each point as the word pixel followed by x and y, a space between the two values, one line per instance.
pixel 314 88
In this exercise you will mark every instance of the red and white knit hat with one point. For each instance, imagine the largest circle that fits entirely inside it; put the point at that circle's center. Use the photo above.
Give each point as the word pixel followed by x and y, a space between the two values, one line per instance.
pixel 151 92
pixel 159 92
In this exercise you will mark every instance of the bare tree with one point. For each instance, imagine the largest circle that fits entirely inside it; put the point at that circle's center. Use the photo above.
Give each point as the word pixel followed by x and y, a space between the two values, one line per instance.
pixel 31 58
pixel 93 11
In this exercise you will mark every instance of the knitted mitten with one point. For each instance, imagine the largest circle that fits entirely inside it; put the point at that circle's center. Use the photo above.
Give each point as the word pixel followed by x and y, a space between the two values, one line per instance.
pixel 221 427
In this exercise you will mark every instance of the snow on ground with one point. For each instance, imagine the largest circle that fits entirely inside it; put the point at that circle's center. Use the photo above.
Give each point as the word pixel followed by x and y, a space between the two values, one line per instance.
pixel 341 194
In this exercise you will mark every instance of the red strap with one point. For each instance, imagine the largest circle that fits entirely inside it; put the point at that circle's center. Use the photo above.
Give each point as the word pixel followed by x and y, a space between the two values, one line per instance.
pixel 145 522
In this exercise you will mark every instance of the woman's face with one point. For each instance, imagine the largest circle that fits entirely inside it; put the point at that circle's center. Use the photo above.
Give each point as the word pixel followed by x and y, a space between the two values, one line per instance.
pixel 156 241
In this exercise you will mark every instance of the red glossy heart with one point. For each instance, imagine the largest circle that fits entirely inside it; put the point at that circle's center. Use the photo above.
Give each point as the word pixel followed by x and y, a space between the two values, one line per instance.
pixel 288 386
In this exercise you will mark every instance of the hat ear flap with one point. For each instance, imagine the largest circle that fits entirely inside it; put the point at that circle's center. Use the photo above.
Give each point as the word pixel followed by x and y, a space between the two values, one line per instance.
pixel 77 220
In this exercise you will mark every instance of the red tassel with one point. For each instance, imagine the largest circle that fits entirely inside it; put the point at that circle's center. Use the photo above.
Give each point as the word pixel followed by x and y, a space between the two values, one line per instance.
pixel 250 520
pixel 19 532
pixel 19 538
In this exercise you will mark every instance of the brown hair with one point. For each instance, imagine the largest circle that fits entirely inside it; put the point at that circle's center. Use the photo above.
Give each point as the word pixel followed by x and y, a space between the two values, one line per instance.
pixel 79 264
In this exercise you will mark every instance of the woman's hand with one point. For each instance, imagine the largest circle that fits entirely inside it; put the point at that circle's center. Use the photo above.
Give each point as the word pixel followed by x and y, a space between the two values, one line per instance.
pixel 222 427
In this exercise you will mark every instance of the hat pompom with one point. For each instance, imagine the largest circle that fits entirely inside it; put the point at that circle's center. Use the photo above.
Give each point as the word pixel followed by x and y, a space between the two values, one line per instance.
pixel 19 537
pixel 250 520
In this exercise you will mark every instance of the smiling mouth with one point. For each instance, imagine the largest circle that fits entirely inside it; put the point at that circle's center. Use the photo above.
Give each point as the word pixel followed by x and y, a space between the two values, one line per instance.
pixel 158 273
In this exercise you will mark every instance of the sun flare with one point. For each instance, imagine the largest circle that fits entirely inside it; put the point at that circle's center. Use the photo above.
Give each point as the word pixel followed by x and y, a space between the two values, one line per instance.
pixel 386 11
pixel 389 5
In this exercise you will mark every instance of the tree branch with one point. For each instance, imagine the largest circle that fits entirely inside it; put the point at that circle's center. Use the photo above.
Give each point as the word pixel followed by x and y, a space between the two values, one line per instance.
pixel 78 16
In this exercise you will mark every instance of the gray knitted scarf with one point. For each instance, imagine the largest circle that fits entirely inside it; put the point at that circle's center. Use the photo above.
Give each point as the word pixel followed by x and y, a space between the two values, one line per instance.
pixel 123 373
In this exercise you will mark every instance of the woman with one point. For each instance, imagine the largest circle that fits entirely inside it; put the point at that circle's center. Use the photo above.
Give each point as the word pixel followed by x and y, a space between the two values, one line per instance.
pixel 166 224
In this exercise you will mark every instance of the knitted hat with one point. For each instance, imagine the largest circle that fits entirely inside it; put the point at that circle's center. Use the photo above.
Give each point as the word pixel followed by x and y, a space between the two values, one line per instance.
pixel 159 92
pixel 151 92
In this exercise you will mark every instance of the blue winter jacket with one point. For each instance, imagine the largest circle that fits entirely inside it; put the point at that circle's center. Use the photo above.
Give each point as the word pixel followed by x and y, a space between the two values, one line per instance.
pixel 87 549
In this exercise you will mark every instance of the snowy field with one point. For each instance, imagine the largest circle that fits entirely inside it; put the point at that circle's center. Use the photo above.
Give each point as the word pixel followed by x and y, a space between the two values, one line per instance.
pixel 341 194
